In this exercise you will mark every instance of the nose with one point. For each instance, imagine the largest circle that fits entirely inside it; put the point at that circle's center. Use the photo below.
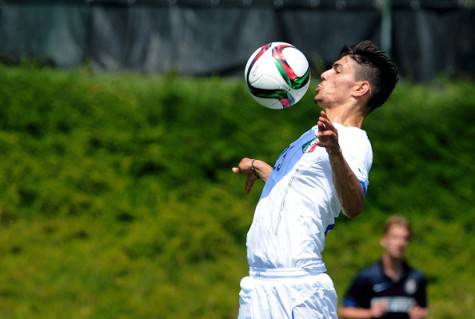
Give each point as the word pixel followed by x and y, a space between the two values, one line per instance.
pixel 324 75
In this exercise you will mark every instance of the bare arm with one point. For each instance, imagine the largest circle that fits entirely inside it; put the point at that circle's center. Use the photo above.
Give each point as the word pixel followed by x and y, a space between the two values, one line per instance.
pixel 347 186
pixel 254 169
pixel 376 311
pixel 418 312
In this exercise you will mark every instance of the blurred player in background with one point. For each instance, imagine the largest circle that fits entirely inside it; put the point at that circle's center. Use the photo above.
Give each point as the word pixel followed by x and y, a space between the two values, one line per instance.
pixel 390 288
pixel 323 172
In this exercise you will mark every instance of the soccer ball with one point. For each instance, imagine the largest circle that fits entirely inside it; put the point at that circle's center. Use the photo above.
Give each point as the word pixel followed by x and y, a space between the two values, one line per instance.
pixel 277 75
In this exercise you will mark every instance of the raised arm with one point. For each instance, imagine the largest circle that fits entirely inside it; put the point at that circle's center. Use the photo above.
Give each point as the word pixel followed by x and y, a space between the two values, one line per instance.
pixel 254 169
pixel 348 188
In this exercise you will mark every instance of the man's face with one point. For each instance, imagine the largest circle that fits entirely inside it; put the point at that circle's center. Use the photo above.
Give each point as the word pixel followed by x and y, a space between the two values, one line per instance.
pixel 395 241
pixel 337 83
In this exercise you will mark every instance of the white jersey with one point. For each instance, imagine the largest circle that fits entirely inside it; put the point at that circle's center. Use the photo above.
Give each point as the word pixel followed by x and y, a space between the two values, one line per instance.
pixel 299 204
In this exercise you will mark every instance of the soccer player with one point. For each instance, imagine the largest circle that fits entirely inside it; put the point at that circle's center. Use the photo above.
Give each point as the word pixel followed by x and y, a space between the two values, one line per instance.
pixel 390 288
pixel 323 172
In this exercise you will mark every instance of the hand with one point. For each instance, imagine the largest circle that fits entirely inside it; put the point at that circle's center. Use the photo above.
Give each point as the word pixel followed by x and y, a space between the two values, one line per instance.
pixel 245 166
pixel 378 309
pixel 327 134
pixel 417 312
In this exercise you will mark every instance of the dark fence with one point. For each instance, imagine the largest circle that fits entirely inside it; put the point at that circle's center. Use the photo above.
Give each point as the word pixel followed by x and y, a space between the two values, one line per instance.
pixel 193 37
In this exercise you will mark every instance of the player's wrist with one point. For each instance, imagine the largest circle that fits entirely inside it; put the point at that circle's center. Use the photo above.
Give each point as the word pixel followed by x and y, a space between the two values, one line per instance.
pixel 333 150
pixel 253 167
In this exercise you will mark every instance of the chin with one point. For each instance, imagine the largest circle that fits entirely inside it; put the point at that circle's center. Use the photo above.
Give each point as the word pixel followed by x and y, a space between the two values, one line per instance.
pixel 318 99
pixel 398 256
pixel 321 103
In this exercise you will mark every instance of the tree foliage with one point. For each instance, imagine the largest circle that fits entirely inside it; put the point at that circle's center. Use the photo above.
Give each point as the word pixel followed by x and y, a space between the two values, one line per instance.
pixel 118 199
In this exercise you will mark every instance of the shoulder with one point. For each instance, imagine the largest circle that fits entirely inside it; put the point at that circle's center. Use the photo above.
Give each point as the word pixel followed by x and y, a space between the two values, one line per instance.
pixel 355 141
pixel 306 137
pixel 370 273
pixel 417 275
pixel 371 270
pixel 351 132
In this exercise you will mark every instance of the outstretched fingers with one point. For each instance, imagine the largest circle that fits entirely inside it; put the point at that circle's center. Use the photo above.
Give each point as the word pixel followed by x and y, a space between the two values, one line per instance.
pixel 324 123
pixel 327 132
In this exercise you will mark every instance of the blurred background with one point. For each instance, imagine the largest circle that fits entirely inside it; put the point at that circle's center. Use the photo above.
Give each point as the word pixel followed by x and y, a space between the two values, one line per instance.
pixel 120 122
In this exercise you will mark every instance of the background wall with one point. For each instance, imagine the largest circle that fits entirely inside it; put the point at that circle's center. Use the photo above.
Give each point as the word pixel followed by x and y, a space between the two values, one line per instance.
pixel 195 37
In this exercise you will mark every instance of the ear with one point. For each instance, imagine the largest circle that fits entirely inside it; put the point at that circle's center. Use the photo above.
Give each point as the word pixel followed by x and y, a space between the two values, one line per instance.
pixel 362 88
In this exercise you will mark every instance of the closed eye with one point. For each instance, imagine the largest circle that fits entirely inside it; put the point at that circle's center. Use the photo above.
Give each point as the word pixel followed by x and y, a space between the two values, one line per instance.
pixel 337 67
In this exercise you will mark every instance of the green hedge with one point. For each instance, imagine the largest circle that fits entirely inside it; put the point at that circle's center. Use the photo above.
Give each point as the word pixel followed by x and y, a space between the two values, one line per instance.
pixel 118 200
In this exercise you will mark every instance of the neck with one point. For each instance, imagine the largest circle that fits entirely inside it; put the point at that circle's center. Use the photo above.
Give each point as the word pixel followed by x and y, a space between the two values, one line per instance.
pixel 347 115
pixel 392 267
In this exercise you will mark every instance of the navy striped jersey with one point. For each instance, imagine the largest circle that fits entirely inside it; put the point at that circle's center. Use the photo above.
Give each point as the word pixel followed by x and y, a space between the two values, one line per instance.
pixel 372 285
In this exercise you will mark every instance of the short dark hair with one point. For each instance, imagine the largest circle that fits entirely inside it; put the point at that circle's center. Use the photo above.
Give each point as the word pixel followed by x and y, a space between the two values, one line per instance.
pixel 376 67
pixel 397 220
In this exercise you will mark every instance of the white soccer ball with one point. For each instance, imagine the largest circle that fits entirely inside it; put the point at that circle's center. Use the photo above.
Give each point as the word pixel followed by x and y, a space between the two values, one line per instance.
pixel 277 75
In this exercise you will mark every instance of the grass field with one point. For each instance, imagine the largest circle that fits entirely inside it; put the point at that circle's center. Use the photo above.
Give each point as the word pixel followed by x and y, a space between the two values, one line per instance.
pixel 117 199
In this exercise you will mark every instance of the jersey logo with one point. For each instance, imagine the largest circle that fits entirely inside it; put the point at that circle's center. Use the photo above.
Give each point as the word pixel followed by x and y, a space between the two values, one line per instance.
pixel 411 286
pixel 310 146
pixel 399 304
pixel 380 287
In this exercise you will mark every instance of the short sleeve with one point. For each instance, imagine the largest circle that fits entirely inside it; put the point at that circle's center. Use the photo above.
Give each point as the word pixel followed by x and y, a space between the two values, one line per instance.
pixel 421 293
pixel 357 151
